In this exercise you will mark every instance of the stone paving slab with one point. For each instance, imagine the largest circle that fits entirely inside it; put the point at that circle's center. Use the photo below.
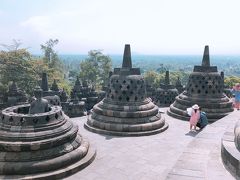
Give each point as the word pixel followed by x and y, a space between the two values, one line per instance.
pixel 173 154
pixel 203 153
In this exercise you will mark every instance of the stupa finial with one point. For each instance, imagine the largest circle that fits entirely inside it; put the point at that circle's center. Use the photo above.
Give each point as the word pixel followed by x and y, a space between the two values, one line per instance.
pixel 206 58
pixel 167 81
pixel 127 61
pixel 44 82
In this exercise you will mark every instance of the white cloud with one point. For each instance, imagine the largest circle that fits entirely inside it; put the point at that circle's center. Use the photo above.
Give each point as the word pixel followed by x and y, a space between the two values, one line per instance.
pixel 151 26
pixel 39 24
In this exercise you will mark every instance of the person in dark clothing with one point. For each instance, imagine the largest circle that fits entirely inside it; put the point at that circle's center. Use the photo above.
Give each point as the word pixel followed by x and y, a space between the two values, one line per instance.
pixel 203 121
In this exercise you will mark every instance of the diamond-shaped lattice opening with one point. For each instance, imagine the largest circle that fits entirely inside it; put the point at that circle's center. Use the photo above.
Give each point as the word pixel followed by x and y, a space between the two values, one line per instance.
pixel 22 120
pixel 11 119
pixel 136 98
pixel 47 118
pixel 35 121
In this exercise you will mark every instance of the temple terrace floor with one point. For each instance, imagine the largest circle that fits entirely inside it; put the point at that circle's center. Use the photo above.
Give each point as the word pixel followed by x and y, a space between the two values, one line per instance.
pixel 173 154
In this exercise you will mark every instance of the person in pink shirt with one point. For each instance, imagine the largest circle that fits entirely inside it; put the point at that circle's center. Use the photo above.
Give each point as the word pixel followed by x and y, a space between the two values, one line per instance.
pixel 236 93
pixel 195 115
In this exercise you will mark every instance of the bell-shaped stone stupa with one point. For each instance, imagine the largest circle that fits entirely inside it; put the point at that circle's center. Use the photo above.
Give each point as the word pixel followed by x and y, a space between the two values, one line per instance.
pixel 165 95
pixel 126 111
pixel 39 141
pixel 205 88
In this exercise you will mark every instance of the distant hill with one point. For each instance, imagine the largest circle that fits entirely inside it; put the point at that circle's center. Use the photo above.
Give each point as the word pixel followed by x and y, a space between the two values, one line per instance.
pixel 229 64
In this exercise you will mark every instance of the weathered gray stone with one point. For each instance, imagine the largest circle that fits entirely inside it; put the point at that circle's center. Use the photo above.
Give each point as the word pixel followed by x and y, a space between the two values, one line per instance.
pixel 40 145
pixel 14 96
pixel 165 95
pixel 205 88
pixel 126 110
pixel 84 92
pixel 230 150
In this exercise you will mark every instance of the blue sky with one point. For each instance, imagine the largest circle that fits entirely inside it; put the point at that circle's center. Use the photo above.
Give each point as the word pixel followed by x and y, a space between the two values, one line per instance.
pixel 150 26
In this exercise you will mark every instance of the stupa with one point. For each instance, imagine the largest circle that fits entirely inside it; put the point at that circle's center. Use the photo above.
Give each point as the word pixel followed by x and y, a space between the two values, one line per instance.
pixel 44 85
pixel 179 86
pixel 15 95
pixel 85 92
pixel 77 89
pixel 205 88
pixel 151 91
pixel 76 108
pixel 230 150
pixel 63 96
pixel 55 86
pixel 165 95
pixel 39 141
pixel 126 111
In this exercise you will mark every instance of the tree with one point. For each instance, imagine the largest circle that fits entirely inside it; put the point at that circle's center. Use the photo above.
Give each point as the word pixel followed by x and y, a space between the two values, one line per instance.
pixel 50 56
pixel 155 79
pixel 26 70
pixel 95 68
pixel 12 47
pixel 230 81
pixel 150 78
pixel 55 69
pixel 15 65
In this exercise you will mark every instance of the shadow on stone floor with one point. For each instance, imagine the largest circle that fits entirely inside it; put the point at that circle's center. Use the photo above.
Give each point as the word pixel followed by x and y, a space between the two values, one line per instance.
pixel 192 133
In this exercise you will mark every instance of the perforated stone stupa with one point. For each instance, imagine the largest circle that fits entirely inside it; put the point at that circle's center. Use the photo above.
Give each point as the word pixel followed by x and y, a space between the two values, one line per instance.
pixel 179 86
pixel 85 92
pixel 40 146
pixel 165 95
pixel 205 88
pixel 126 111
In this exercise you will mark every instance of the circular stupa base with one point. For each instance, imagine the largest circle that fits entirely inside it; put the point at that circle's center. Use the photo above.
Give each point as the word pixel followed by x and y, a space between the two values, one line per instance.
pixel 215 108
pixel 41 146
pixel 177 116
pixel 182 114
pixel 230 155
pixel 125 133
pixel 59 173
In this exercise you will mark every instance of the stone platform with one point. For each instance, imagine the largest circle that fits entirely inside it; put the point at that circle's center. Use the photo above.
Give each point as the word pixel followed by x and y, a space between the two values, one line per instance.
pixel 230 152
pixel 41 145
pixel 175 154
